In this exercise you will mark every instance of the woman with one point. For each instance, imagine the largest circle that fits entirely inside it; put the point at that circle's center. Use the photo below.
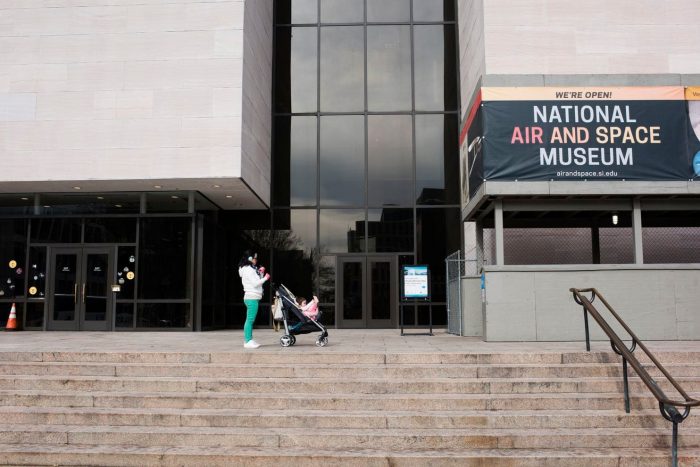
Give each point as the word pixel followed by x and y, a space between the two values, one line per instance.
pixel 253 279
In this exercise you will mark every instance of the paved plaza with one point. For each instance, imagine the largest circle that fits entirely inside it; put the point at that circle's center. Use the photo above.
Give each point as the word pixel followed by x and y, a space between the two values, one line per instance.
pixel 340 341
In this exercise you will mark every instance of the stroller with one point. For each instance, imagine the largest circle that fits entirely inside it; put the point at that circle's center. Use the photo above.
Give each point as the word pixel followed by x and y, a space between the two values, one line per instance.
pixel 295 322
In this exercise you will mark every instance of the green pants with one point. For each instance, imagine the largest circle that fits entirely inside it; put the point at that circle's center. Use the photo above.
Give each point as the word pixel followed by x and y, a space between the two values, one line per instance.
pixel 252 307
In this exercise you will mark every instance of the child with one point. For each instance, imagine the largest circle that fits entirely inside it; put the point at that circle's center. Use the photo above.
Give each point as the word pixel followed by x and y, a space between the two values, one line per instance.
pixel 311 309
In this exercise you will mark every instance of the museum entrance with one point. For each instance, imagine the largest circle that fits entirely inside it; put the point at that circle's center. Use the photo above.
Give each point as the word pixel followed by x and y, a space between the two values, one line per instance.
pixel 367 292
pixel 80 288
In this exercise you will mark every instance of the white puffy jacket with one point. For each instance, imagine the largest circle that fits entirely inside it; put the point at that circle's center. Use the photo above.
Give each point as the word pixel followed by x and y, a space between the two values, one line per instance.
pixel 252 283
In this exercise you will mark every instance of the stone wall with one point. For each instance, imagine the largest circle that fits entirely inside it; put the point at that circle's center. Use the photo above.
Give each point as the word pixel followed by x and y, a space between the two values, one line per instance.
pixel 533 303
pixel 257 97
pixel 122 89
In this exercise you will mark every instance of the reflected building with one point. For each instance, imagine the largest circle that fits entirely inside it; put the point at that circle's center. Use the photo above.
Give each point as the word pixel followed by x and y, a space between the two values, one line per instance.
pixel 366 117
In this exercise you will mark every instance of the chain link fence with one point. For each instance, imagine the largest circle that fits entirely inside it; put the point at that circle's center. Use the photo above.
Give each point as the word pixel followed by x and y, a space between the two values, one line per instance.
pixel 576 245
pixel 455 269
pixel 671 245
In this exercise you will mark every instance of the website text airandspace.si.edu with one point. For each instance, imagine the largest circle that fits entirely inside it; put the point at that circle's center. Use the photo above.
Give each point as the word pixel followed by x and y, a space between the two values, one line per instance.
pixel 584 174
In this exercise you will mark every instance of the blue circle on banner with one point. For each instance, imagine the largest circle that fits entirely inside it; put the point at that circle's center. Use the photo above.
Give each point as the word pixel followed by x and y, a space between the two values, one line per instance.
pixel 696 163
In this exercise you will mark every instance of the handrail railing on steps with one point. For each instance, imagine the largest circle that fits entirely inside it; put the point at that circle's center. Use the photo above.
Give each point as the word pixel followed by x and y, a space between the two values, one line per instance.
pixel 668 407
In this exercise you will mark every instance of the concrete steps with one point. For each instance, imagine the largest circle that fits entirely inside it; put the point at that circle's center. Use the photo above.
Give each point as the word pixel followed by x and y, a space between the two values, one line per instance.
pixel 318 370
pixel 315 418
pixel 331 408
pixel 134 456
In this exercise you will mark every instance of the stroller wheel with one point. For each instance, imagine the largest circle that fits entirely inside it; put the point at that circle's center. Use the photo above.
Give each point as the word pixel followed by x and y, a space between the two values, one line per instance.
pixel 322 341
pixel 286 341
pixel 294 340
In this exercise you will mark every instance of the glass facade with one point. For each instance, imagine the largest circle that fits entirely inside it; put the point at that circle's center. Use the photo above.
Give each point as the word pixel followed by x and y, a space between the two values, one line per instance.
pixel 365 145
pixel 100 261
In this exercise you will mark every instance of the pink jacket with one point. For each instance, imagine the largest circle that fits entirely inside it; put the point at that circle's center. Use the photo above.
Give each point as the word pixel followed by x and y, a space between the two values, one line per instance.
pixel 310 309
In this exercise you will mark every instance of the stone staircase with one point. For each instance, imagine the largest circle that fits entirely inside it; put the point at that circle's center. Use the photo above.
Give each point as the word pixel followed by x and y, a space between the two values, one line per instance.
pixel 321 408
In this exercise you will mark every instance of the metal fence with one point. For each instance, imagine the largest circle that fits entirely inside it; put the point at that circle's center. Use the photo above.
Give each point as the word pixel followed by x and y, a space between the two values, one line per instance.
pixel 669 245
pixel 455 269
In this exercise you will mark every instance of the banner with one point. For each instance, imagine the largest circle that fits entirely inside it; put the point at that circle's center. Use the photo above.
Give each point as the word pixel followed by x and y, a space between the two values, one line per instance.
pixel 630 133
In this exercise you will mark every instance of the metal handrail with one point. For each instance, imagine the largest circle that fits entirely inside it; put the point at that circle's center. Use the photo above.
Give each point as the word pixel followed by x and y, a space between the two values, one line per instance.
pixel 666 406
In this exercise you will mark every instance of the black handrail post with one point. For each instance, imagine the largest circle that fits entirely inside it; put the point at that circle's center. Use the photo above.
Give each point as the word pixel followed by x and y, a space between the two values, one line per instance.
pixel 668 407
pixel 585 321
pixel 627 388
pixel 674 445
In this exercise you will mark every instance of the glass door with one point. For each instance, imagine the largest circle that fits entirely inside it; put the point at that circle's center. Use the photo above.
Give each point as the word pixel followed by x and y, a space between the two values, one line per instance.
pixel 367 292
pixel 65 276
pixel 80 289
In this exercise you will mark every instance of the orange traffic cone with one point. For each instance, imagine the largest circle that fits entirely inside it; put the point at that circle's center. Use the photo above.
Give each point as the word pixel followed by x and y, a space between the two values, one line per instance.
pixel 12 320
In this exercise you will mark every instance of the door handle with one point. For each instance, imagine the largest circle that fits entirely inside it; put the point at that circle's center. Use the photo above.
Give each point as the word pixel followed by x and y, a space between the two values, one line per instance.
pixel 83 292
pixel 75 293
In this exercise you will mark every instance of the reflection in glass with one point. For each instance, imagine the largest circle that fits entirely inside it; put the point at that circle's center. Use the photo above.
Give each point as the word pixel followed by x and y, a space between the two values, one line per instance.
pixel 95 287
pixel 342 11
pixel 36 276
pixel 353 296
pixel 17 204
pixel 326 279
pixel 437 173
pixel 296 231
pixel 380 288
pixel 65 290
pixel 56 230
pixel 342 160
pixel 110 230
pixel 439 315
pixel 216 270
pixel 408 314
pixel 163 315
pixel 126 259
pixel 295 69
pixel 342 69
pixel 280 160
pixel 342 230
pixel 304 11
pixel 35 315
pixel 388 68
pixel 435 68
pixel 390 157
pixel 164 258
pixel 167 202
pixel 423 315
pixel 388 10
pixel 103 203
pixel 296 11
pixel 438 232
pixel 328 318
pixel 302 161
pixel 125 315
pixel 390 230
pixel 13 250
pixel 295 161
pixel 433 10
pixel 294 250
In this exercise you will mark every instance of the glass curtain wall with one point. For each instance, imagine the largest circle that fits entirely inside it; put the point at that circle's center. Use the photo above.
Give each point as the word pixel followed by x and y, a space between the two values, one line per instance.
pixel 147 236
pixel 365 139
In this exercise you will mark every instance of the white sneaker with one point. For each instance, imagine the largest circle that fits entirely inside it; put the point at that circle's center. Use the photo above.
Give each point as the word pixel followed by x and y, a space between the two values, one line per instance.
pixel 251 344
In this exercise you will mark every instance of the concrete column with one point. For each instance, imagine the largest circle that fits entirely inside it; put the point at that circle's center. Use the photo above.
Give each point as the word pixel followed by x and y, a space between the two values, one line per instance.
pixel 498 215
pixel 479 231
pixel 637 232
pixel 190 202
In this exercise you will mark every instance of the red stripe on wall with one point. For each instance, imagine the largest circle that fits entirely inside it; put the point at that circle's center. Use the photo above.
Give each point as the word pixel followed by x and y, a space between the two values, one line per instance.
pixel 470 118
